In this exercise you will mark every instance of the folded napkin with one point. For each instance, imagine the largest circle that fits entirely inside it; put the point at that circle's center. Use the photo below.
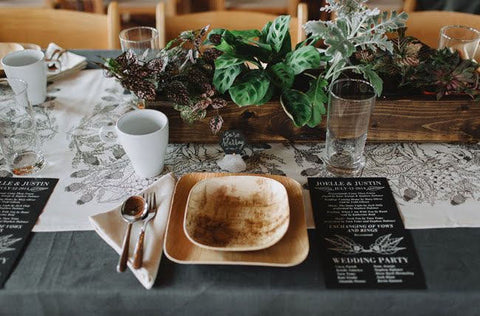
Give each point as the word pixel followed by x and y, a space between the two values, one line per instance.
pixel 70 62
pixel 111 227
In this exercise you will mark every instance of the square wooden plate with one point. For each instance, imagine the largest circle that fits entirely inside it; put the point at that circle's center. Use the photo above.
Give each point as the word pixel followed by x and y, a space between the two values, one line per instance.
pixel 291 250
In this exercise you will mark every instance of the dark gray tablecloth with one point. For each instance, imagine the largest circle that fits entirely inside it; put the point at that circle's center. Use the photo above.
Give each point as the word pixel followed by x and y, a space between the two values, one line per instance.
pixel 469 6
pixel 73 273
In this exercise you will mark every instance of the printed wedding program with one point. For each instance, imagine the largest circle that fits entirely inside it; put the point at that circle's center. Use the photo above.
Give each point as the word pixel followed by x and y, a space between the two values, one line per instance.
pixel 364 241
pixel 21 202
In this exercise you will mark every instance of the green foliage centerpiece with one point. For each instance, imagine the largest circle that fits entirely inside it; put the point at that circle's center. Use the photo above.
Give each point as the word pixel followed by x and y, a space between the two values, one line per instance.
pixel 199 71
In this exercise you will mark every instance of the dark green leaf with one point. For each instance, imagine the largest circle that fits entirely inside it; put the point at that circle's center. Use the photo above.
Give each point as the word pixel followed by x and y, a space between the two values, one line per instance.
pixel 248 48
pixel 264 32
pixel 226 61
pixel 213 32
pixel 286 47
pixel 225 47
pixel 296 105
pixel 277 32
pixel 317 112
pixel 317 93
pixel 281 75
pixel 224 78
pixel 306 57
pixel 250 89
pixel 247 34
pixel 268 96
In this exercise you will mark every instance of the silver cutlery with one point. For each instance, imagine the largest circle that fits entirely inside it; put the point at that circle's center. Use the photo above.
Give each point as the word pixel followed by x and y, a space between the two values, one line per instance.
pixel 133 209
pixel 152 212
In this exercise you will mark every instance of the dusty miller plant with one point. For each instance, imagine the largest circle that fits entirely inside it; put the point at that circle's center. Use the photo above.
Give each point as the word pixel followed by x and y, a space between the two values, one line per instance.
pixel 355 28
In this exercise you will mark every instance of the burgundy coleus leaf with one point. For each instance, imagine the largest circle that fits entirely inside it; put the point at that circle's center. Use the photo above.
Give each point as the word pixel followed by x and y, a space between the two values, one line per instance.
pixel 216 123
pixel 218 103
pixel 203 104
pixel 155 64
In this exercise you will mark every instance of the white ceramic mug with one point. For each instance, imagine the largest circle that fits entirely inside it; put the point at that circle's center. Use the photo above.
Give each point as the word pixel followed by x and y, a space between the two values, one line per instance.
pixel 144 137
pixel 29 65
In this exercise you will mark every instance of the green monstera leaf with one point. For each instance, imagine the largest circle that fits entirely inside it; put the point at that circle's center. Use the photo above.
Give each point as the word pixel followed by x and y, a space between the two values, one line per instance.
pixel 296 105
pixel 224 78
pixel 306 57
pixel 281 75
pixel 251 88
pixel 278 31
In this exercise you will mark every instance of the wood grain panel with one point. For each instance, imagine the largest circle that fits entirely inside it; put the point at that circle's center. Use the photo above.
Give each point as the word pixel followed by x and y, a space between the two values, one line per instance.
pixel 405 120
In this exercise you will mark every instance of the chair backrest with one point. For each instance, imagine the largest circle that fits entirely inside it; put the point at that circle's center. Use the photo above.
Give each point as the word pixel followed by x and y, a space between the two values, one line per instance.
pixel 426 25
pixel 289 6
pixel 69 29
pixel 170 25
pixel 409 5
pixel 30 4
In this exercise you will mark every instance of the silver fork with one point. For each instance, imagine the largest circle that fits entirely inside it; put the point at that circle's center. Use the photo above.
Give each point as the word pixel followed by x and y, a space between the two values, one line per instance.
pixel 152 211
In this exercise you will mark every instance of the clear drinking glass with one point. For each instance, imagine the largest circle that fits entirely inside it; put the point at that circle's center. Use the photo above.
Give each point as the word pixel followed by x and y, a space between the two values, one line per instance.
pixel 18 132
pixel 350 106
pixel 142 40
pixel 464 39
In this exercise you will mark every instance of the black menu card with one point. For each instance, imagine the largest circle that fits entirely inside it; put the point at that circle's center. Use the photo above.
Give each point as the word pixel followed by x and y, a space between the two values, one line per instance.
pixel 364 242
pixel 21 202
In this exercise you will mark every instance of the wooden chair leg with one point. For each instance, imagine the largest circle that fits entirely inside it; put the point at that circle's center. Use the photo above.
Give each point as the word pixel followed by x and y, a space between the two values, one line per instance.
pixel 98 6
pixel 217 5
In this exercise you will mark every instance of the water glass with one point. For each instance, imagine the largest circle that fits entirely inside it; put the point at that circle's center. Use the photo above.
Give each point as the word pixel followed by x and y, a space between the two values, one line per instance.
pixel 142 40
pixel 18 133
pixel 351 103
pixel 464 39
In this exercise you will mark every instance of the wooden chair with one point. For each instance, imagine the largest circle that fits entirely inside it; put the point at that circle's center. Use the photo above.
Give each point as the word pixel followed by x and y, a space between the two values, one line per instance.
pixel 68 29
pixel 30 4
pixel 170 25
pixel 409 5
pixel 139 6
pixel 426 25
pixel 284 7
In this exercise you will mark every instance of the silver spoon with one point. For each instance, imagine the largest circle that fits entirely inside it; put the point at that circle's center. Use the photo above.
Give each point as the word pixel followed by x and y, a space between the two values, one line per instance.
pixel 133 209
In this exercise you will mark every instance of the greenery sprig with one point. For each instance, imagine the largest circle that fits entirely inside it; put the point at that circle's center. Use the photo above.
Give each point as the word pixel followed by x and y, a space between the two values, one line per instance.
pixel 355 28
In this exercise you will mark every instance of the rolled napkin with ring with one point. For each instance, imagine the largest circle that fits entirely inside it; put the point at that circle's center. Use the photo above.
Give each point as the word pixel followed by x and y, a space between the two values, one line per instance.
pixel 111 227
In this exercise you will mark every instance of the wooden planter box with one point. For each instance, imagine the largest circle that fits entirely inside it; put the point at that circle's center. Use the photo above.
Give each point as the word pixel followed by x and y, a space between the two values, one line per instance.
pixel 419 119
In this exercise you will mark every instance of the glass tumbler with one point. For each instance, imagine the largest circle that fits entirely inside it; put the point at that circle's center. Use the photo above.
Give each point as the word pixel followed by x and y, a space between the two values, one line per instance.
pixel 351 103
pixel 18 133
pixel 142 40
pixel 464 39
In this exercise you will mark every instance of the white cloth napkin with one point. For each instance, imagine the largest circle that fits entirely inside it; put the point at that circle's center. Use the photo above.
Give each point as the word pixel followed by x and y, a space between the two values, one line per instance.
pixel 111 227
pixel 70 62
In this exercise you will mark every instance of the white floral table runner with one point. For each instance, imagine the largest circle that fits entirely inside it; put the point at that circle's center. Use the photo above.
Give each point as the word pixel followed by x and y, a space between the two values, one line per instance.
pixel 435 185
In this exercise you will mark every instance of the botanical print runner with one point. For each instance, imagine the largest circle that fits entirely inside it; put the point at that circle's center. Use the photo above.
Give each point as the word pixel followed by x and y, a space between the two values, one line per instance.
pixel 435 185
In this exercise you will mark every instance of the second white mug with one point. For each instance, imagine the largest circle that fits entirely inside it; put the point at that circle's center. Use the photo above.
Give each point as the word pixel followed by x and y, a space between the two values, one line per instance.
pixel 144 137
pixel 29 65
